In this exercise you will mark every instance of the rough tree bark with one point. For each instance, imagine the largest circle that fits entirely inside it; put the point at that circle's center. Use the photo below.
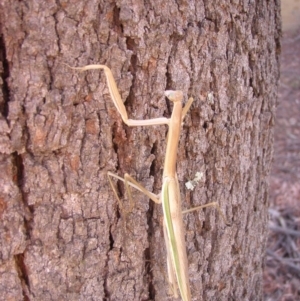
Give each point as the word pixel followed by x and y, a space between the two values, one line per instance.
pixel 62 233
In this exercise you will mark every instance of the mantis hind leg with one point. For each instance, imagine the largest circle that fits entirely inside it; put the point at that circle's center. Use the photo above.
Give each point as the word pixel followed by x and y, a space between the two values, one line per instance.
pixel 130 182
pixel 212 204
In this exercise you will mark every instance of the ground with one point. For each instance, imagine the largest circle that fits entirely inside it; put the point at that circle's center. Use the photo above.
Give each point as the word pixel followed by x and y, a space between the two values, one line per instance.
pixel 282 263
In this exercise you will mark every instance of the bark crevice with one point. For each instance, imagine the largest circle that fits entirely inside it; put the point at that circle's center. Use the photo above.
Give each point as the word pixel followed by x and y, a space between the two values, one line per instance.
pixel 23 275
pixel 4 73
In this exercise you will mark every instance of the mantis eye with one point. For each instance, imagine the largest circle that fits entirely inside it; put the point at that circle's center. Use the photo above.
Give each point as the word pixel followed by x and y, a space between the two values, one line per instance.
pixel 174 95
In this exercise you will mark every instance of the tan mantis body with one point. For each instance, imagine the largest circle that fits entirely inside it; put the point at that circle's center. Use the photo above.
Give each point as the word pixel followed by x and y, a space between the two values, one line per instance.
pixel 173 225
pixel 170 195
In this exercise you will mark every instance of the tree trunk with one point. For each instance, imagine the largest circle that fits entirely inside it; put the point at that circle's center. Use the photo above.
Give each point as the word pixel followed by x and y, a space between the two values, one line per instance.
pixel 63 235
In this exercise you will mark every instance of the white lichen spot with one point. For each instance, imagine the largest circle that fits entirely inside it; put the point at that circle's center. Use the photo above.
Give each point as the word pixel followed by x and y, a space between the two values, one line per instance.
pixel 210 97
pixel 190 185
pixel 198 176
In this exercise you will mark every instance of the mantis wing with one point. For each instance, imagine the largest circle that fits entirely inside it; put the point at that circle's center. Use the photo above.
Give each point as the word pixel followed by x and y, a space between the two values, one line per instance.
pixel 175 240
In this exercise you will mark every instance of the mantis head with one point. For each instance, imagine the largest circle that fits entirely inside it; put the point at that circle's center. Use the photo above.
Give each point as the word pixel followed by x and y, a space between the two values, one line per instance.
pixel 174 95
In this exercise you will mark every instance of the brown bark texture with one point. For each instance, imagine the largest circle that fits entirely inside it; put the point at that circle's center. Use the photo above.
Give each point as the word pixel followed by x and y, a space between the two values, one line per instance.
pixel 62 234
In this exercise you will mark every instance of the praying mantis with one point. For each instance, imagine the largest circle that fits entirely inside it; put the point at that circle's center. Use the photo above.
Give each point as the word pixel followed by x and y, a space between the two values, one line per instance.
pixel 173 228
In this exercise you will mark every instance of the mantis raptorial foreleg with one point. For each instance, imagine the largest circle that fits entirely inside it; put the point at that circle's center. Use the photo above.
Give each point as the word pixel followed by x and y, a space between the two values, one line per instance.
pixel 170 194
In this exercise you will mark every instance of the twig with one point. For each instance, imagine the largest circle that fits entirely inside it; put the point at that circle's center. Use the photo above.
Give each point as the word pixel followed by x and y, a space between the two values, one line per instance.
pixel 285 231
